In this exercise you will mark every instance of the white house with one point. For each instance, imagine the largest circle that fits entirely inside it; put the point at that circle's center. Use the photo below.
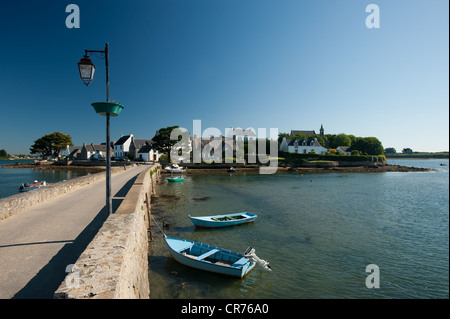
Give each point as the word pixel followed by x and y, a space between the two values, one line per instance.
pixel 147 153
pixel 70 151
pixel 303 146
pixel 284 145
pixel 92 151
pixel 344 150
pixel 122 146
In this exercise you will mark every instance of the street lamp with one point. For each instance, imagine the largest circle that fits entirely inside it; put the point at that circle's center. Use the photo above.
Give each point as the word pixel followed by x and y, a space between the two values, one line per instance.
pixel 108 109
pixel 87 69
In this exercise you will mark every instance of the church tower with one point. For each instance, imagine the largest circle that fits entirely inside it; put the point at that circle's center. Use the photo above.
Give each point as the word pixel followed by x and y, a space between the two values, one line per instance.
pixel 322 135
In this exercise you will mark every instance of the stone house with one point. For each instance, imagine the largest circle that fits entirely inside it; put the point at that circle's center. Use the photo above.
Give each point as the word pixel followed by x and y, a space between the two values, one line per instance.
pixel 93 152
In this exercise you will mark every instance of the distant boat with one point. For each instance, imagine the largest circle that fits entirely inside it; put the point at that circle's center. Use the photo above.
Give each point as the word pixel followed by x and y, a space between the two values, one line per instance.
pixel 175 179
pixel 175 168
pixel 223 220
pixel 25 187
pixel 210 258
pixel 231 169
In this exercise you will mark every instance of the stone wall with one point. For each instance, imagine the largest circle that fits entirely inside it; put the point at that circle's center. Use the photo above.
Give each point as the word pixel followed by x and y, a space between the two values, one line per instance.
pixel 115 263
pixel 18 203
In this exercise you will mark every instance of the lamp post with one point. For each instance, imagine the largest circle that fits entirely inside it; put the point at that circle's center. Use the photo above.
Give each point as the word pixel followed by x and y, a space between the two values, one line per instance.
pixel 108 109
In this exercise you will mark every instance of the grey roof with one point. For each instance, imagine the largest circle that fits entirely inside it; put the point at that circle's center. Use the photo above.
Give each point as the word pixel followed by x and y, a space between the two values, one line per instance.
pixel 307 133
pixel 122 139
pixel 212 142
pixel 76 149
pixel 300 142
pixel 138 143
pixel 146 148
pixel 95 147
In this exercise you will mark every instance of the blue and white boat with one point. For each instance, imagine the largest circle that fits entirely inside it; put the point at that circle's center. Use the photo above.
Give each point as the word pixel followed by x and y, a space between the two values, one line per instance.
pixel 223 220
pixel 210 258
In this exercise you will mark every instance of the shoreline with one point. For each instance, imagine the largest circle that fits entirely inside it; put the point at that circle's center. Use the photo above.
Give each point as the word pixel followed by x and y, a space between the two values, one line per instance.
pixel 250 169
pixel 287 170
pixel 52 167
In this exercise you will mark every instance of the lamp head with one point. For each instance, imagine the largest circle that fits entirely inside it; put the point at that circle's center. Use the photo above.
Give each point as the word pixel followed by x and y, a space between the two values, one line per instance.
pixel 87 69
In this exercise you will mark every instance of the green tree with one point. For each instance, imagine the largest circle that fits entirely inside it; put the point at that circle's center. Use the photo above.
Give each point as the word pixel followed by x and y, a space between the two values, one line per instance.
pixel 407 151
pixel 390 150
pixel 3 154
pixel 51 144
pixel 331 138
pixel 339 140
pixel 281 135
pixel 368 145
pixel 162 141
pixel 343 140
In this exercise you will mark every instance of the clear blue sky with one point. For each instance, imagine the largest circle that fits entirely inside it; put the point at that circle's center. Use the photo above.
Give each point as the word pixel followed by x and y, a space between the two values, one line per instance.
pixel 286 64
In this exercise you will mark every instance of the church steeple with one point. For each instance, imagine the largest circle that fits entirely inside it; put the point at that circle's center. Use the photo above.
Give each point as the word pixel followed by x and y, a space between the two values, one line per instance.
pixel 321 130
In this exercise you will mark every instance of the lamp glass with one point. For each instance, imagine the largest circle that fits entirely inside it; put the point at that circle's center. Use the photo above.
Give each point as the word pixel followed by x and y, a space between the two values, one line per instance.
pixel 87 70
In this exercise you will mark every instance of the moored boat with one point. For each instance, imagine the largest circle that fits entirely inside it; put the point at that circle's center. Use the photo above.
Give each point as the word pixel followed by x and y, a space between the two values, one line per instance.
pixel 209 258
pixel 223 220
pixel 175 179
pixel 175 168
pixel 25 187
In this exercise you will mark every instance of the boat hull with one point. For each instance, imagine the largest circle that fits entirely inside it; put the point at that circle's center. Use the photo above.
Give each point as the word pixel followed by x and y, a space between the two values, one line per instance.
pixel 217 260
pixel 175 169
pixel 223 220
pixel 27 189
pixel 175 179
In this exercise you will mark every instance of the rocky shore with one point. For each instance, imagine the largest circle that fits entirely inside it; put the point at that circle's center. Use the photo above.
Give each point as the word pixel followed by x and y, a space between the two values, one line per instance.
pixel 368 169
pixel 212 169
pixel 52 167
pixel 338 169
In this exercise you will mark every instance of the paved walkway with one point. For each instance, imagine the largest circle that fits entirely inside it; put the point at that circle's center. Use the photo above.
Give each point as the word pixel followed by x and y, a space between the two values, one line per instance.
pixel 37 245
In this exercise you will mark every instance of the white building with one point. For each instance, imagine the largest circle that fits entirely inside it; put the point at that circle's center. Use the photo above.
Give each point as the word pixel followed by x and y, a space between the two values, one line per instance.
pixel 303 146
pixel 92 151
pixel 122 146
pixel 344 150
pixel 147 153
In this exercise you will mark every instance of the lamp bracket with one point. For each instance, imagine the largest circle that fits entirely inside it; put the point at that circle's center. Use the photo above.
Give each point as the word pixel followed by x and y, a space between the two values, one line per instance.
pixel 96 51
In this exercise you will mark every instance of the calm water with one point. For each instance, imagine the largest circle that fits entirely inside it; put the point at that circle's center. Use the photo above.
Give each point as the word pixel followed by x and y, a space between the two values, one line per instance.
pixel 318 231
pixel 12 178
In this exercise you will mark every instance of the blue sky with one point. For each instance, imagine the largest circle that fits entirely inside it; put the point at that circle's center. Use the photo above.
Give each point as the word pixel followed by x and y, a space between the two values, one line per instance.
pixel 286 64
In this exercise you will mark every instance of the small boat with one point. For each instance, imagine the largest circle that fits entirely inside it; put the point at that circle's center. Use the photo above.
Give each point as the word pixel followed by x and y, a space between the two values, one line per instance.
pixel 25 187
pixel 175 179
pixel 223 220
pixel 175 168
pixel 210 258
pixel 231 170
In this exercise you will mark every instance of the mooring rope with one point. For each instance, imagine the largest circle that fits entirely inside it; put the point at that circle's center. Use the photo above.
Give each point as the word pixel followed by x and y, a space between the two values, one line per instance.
pixel 162 231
